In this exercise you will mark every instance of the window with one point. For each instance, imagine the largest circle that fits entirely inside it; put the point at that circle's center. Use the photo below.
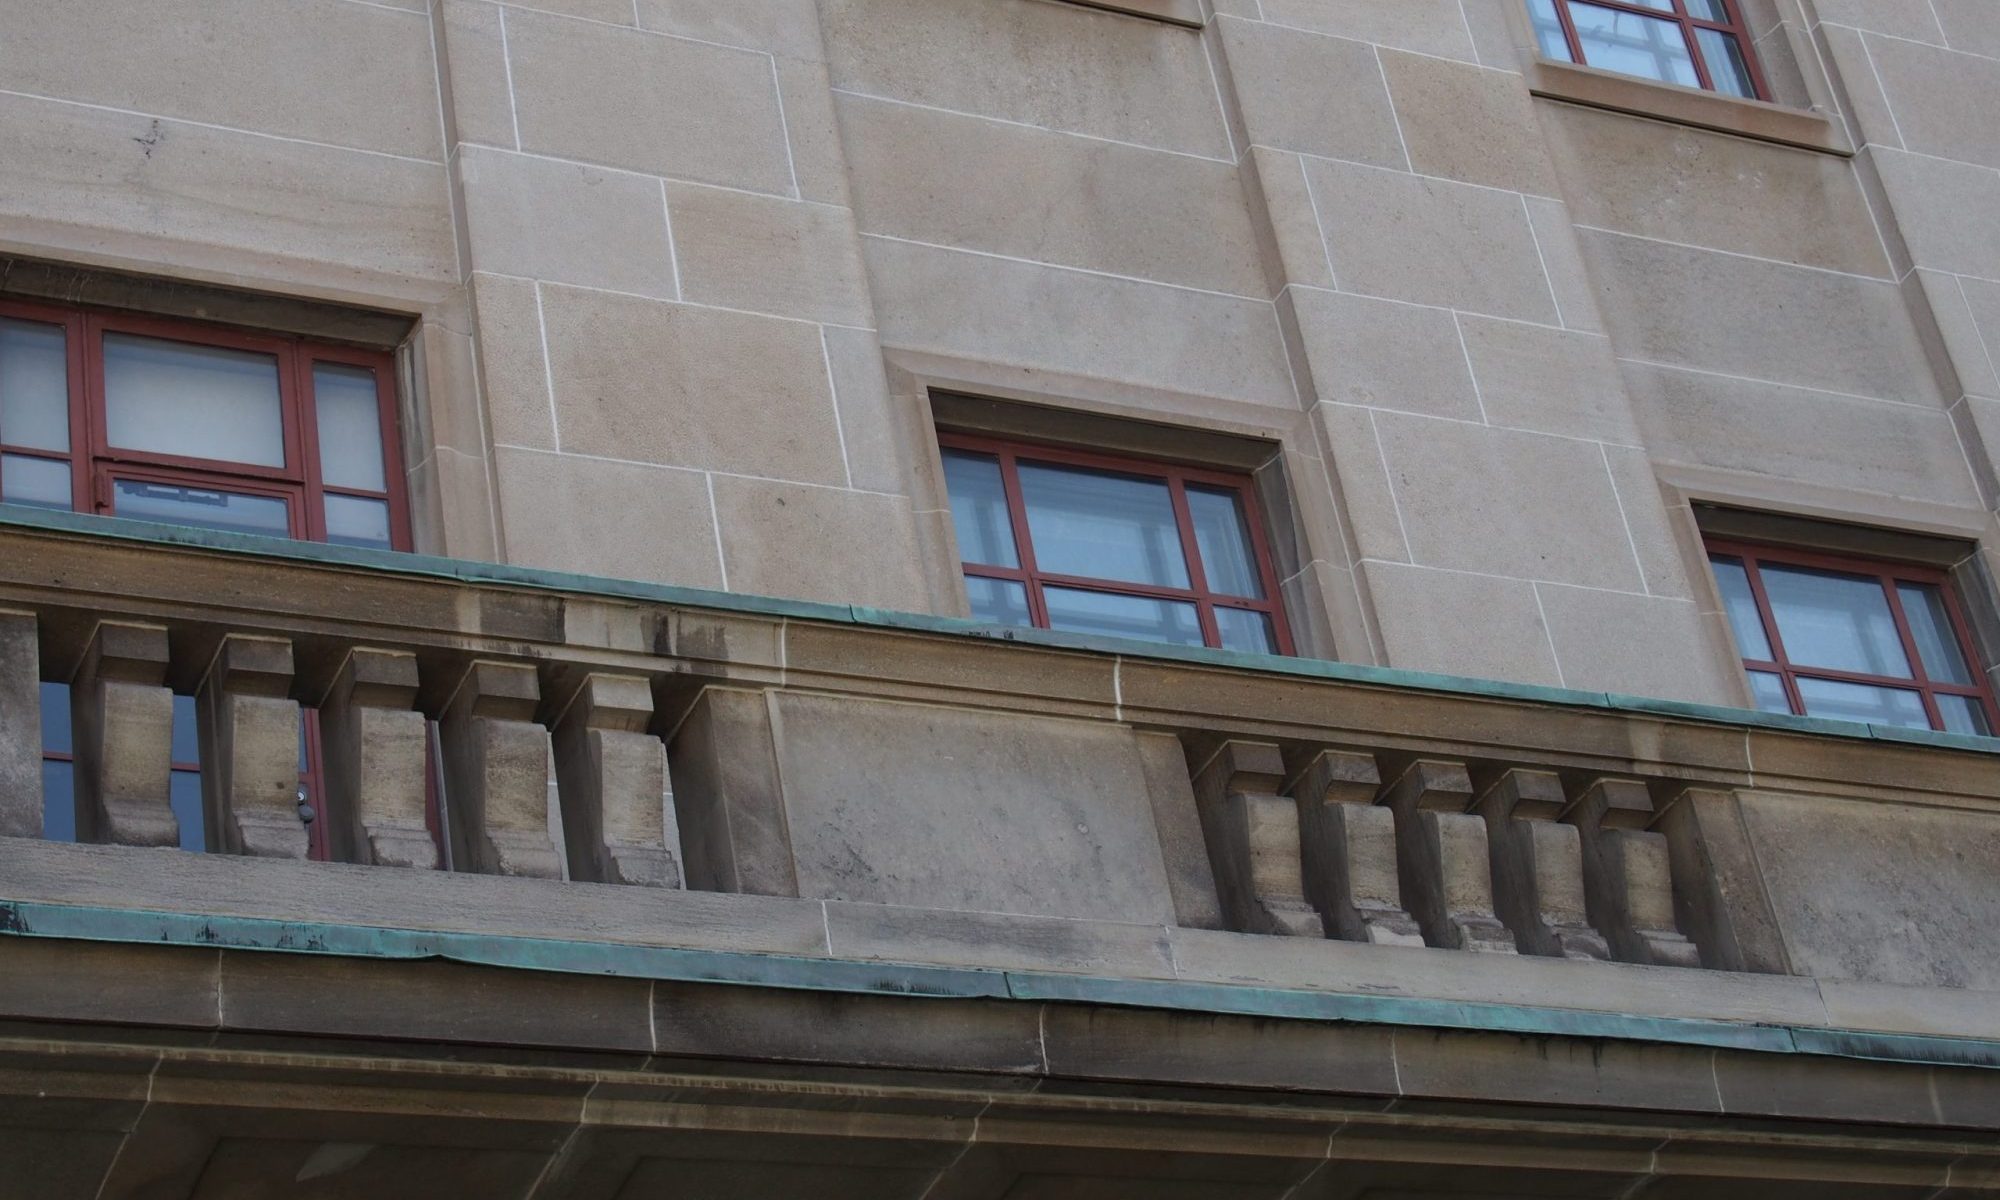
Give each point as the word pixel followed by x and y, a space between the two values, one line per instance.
pixel 1694 43
pixel 1852 639
pixel 193 424
pixel 1089 543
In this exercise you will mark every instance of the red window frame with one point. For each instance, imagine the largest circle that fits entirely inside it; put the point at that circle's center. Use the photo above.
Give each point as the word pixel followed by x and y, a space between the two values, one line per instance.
pixel 1753 554
pixel 1735 26
pixel 1177 476
pixel 94 463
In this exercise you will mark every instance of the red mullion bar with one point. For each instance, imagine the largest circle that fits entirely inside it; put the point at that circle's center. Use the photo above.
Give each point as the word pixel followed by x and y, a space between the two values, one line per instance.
pixel 1204 608
pixel 1770 620
pixel 1024 548
pixel 1267 566
pixel 1570 34
pixel 987 571
pixel 1970 653
pixel 1910 653
pixel 301 404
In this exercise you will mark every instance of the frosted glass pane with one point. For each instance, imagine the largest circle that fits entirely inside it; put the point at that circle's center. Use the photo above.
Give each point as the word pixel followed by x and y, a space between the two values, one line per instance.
pixel 1242 629
pixel 193 401
pixel 1828 619
pixel 1648 47
pixel 352 521
pixel 178 505
pixel 1860 702
pixel 1000 601
pixel 979 509
pixel 1101 525
pixel 39 482
pixel 1741 603
pixel 1222 535
pixel 1930 629
pixel 34 385
pixel 1141 617
pixel 350 427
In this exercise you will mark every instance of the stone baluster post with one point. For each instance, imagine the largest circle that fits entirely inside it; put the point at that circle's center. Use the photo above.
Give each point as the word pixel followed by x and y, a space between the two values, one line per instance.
pixel 20 726
pixel 612 776
pixel 1253 840
pixel 1350 850
pixel 375 749
pixel 1627 873
pixel 1447 874
pixel 1538 866
pixel 123 716
pixel 496 767
pixel 249 735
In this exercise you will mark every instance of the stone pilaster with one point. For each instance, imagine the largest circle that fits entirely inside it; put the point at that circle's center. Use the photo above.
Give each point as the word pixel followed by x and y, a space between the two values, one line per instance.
pixel 1447 875
pixel 123 715
pixel 375 751
pixel 1350 850
pixel 612 773
pixel 496 765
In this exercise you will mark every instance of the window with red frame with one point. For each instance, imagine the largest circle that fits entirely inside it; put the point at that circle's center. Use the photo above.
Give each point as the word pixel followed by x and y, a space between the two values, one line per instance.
pixel 194 424
pixel 1093 543
pixel 1694 43
pixel 1852 639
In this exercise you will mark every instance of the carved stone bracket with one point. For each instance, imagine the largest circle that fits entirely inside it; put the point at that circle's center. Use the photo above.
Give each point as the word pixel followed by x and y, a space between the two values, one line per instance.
pixel 612 774
pixel 496 762
pixel 1538 866
pixel 123 716
pixel 1627 874
pixel 1253 840
pixel 249 733
pixel 375 747
pixel 1447 874
pixel 1349 848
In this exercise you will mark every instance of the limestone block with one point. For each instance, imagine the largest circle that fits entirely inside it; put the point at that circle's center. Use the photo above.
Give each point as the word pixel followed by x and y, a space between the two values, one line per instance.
pixel 1349 851
pixel 1253 840
pixel 725 778
pixel 496 768
pixel 1537 866
pixel 124 720
pixel 375 749
pixel 1628 885
pixel 1718 895
pixel 612 775
pixel 249 733
pixel 20 726
pixel 1441 856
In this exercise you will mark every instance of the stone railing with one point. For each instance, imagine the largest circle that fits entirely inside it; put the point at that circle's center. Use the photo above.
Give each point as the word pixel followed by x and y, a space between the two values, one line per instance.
pixel 506 722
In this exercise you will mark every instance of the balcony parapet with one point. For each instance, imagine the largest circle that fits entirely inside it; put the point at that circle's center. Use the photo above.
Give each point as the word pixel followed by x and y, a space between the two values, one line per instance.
pixel 990 798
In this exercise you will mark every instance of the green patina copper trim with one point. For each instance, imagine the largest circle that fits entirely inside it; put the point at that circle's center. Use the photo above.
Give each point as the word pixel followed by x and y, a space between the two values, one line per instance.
pixel 79 923
pixel 500 574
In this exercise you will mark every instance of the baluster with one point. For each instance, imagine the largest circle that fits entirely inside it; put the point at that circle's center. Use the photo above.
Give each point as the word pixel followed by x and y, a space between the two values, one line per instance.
pixel 1350 850
pixel 1447 873
pixel 374 747
pixel 20 726
pixel 612 775
pixel 1627 873
pixel 496 772
pixel 1538 866
pixel 123 715
pixel 1253 840
pixel 249 735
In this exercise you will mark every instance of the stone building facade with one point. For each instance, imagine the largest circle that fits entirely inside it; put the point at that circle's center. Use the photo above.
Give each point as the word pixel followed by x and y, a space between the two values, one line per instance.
pixel 999 598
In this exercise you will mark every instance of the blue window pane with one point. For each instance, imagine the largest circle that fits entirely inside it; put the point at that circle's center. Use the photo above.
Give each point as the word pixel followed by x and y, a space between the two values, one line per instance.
pixel 1768 691
pixel 35 482
pixel 34 385
pixel 1548 30
pixel 1728 70
pixel 1101 525
pixel 1741 604
pixel 354 521
pixel 1000 601
pixel 1963 714
pixel 1828 619
pixel 55 718
pixel 1244 630
pixel 979 509
pixel 1144 617
pixel 1707 10
pixel 1631 44
pixel 1931 629
pixel 175 504
pixel 1222 535
pixel 1860 702
pixel 184 792
pixel 58 800
pixel 187 745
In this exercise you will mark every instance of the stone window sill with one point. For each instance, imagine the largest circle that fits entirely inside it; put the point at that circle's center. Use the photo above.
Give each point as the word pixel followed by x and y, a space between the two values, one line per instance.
pixel 1172 12
pixel 1687 106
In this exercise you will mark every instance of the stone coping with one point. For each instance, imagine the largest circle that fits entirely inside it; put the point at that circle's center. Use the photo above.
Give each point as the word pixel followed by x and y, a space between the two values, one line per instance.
pixel 866 977
pixel 473 572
